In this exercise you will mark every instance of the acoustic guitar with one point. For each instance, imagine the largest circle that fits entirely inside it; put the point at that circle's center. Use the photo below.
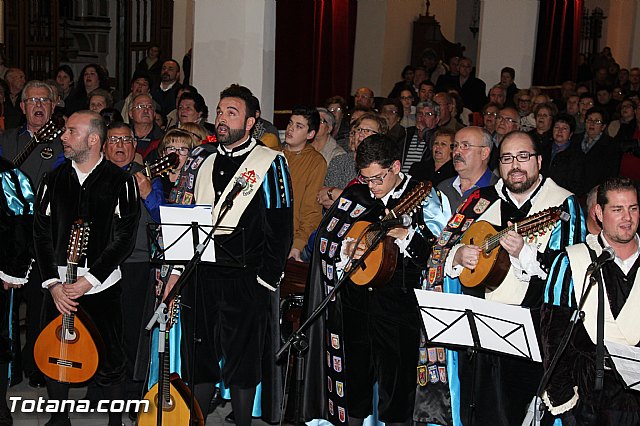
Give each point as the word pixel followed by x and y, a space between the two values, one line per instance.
pixel 161 166
pixel 380 264
pixel 493 262
pixel 47 133
pixel 176 396
pixel 65 350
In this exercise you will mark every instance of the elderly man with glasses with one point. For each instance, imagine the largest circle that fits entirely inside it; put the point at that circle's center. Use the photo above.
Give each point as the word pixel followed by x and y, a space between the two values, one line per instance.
pixel 147 133
pixel 497 389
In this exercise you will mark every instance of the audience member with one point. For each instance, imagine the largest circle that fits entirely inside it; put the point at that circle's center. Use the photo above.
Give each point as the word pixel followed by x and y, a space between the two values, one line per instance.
pixel 166 93
pixel 562 160
pixel 440 165
pixel 323 142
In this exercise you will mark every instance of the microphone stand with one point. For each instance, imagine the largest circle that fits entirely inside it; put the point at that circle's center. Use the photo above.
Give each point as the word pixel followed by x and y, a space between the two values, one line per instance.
pixel 298 340
pixel 161 316
pixel 578 315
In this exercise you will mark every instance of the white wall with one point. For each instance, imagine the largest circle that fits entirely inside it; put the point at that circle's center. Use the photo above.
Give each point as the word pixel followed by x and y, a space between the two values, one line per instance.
pixel 182 38
pixel 507 37
pixel 235 43
pixel 368 59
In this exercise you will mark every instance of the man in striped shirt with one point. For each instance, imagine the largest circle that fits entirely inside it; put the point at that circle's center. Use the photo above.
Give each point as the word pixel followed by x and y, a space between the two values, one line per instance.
pixel 419 146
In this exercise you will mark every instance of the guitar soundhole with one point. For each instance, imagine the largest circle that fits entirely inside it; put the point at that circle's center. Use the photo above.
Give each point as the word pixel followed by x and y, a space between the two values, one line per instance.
pixel 68 338
pixel 167 405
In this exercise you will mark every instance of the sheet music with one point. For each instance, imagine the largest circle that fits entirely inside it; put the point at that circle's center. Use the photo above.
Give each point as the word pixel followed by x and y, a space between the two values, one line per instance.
pixel 501 328
pixel 177 243
pixel 627 362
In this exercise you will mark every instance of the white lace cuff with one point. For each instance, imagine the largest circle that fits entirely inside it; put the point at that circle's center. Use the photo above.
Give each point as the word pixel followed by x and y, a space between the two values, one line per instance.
pixel 561 408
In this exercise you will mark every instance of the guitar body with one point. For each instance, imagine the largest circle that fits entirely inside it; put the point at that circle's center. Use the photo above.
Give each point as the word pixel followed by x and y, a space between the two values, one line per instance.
pixel 379 266
pixel 178 411
pixel 73 359
pixel 492 267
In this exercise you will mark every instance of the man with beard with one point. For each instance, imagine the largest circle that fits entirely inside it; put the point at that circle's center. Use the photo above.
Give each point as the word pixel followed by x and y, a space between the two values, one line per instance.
pixel 101 194
pixel 37 104
pixel 504 385
pixel 166 92
pixel 234 307
pixel 570 393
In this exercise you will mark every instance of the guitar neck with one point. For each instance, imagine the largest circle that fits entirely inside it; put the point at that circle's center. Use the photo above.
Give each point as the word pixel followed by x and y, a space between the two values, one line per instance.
pixel 70 278
pixel 166 361
pixel 525 227
pixel 26 151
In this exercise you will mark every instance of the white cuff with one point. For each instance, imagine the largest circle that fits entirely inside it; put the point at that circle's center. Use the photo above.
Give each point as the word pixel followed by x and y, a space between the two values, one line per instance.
pixel 14 280
pixel 48 282
pixel 404 243
pixel 526 264
pixel 92 280
pixel 265 284
pixel 561 408
pixel 449 269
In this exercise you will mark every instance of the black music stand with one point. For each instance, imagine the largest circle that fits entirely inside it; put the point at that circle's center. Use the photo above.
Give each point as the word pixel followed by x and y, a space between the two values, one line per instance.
pixel 466 322
pixel 194 232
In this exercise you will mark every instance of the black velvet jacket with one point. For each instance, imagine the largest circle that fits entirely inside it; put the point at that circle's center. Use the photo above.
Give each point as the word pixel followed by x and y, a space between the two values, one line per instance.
pixel 108 199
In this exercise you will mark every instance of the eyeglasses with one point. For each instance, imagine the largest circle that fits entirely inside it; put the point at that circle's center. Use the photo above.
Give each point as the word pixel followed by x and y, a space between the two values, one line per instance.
pixel 490 114
pixel 35 101
pixel 586 103
pixel 323 121
pixel 425 114
pixel 590 121
pixel 390 111
pixel 335 109
pixel 509 119
pixel 375 180
pixel 182 151
pixel 125 140
pixel 464 146
pixel 143 106
pixel 543 116
pixel 522 157
pixel 364 131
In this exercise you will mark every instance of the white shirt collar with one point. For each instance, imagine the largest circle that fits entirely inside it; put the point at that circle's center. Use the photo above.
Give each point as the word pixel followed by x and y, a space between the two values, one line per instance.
pixel 82 176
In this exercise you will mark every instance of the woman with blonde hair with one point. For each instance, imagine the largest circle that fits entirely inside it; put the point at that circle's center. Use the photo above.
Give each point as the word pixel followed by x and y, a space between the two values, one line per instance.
pixel 180 142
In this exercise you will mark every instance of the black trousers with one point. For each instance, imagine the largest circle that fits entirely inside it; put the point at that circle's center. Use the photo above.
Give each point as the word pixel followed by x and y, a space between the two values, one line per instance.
pixel 231 316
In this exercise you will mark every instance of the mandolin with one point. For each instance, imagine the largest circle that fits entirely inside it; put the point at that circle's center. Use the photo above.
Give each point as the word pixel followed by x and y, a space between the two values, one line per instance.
pixel 493 262
pixel 47 133
pixel 380 264
pixel 65 350
pixel 176 396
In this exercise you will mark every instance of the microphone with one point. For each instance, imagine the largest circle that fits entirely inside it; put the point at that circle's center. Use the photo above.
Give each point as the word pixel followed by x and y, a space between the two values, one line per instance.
pixel 404 221
pixel 241 183
pixel 607 255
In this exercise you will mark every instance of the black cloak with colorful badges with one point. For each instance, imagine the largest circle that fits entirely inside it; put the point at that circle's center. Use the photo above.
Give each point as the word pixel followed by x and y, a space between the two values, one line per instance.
pixel 325 389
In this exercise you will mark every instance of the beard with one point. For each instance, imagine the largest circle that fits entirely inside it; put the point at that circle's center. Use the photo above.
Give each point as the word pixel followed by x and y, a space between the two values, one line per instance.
pixel 232 136
pixel 78 156
pixel 520 187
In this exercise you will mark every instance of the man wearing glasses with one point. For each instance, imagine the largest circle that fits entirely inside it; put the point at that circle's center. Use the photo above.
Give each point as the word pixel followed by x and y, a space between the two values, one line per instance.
pixel 120 149
pixel 370 333
pixel 417 145
pixel 470 152
pixel 504 386
pixel 142 119
pixel 37 106
pixel 600 154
